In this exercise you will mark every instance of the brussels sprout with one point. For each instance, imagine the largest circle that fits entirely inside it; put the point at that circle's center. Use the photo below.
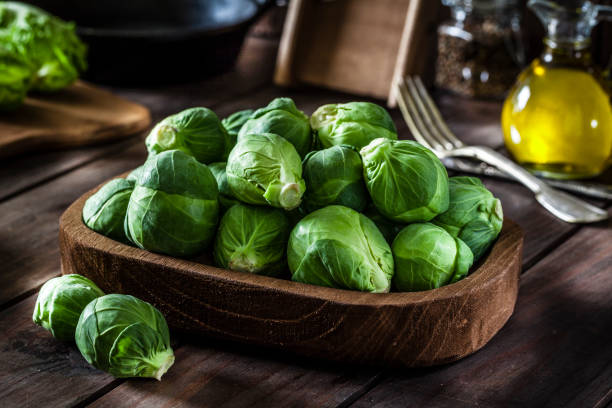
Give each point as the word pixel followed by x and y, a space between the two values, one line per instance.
pixel 60 303
pixel 266 169
pixel 15 77
pixel 340 248
pixel 334 176
pixel 282 118
pixel 427 257
pixel 473 214
pixel 125 336
pixel 233 123
pixel 50 44
pixel 134 174
pixel 195 131
pixel 387 227
pixel 353 123
pixel 226 198
pixel 174 208
pixel 406 181
pixel 104 212
pixel 253 239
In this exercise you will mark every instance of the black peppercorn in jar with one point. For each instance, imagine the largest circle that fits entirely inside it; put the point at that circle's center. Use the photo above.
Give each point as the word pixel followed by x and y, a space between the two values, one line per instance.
pixel 479 48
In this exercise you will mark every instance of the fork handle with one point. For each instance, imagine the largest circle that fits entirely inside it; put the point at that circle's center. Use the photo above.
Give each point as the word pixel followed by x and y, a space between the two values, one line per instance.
pixel 564 206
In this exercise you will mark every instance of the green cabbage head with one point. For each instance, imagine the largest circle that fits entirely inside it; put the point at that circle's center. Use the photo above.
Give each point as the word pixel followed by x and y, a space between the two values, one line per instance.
pixel 226 198
pixel 283 118
pixel 427 257
pixel 266 169
pixel 233 123
pixel 104 212
pixel 354 123
pixel 253 239
pixel 340 248
pixel 406 181
pixel 48 43
pixel 473 214
pixel 195 131
pixel 60 303
pixel 174 207
pixel 125 337
pixel 334 176
pixel 15 78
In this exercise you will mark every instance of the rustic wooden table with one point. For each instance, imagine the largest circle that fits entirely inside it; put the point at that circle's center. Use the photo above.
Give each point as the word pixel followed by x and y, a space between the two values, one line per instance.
pixel 555 351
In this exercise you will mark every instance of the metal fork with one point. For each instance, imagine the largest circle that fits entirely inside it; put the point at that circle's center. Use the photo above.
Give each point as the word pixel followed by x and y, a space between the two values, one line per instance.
pixel 429 129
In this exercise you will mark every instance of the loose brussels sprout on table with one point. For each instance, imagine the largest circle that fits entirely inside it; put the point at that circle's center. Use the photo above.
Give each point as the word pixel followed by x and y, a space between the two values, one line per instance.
pixel 16 75
pixel 253 239
pixel 124 336
pixel 195 131
pixel 427 257
pixel 49 44
pixel 60 303
pixel 354 123
pixel 174 207
pixel 334 176
pixel 233 123
pixel 226 198
pixel 340 248
pixel 406 181
pixel 104 212
pixel 473 214
pixel 266 169
pixel 282 118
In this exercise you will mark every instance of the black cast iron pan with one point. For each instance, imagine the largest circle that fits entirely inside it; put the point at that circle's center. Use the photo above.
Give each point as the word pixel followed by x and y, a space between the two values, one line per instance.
pixel 139 42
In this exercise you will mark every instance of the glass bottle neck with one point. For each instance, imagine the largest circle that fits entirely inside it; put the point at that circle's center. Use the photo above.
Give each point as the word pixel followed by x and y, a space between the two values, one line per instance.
pixel 571 54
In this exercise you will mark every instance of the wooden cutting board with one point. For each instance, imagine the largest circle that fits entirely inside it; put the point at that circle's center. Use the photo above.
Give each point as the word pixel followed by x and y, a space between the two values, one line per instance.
pixel 79 115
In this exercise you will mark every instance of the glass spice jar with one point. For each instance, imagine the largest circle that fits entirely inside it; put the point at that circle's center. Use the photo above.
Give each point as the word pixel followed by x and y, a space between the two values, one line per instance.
pixel 480 51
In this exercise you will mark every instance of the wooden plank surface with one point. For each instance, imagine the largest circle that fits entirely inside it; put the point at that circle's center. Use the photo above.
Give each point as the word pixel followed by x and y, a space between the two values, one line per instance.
pixel 38 371
pixel 29 224
pixel 213 377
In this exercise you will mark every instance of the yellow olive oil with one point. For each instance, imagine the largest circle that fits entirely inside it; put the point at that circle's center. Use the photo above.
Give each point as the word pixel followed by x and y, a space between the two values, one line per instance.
pixel 557 121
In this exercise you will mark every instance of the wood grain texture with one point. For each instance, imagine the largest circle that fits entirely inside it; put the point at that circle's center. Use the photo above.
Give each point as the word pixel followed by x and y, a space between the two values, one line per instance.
pixel 23 172
pixel 79 115
pixel 412 57
pixel 36 370
pixel 29 223
pixel 403 329
pixel 356 46
pixel 218 378
pixel 554 352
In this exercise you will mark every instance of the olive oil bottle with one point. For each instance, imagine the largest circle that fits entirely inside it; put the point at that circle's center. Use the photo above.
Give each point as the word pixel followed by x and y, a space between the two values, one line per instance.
pixel 557 118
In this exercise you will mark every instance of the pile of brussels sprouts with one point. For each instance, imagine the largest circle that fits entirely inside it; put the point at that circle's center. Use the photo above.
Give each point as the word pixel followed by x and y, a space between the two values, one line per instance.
pixel 333 200
pixel 115 333
pixel 38 52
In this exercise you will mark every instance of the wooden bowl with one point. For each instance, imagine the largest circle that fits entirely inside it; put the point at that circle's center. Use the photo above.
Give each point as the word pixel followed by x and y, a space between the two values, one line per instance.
pixel 399 329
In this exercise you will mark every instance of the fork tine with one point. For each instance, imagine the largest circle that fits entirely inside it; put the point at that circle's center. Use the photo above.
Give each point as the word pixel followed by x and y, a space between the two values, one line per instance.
pixel 438 121
pixel 406 113
pixel 418 127
pixel 427 126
